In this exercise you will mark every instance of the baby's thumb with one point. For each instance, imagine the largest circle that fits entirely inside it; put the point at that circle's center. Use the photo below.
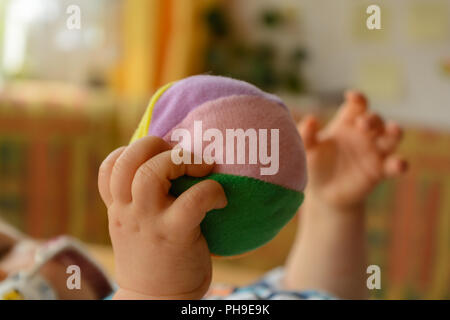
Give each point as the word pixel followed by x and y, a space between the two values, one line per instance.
pixel 308 129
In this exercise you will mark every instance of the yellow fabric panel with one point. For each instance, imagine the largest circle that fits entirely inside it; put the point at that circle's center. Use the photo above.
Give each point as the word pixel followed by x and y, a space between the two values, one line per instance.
pixel 187 43
pixel 163 41
pixel 142 129
pixel 141 33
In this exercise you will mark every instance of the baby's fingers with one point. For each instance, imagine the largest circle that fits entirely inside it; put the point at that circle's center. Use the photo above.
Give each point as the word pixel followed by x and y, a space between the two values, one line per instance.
pixel 128 163
pixel 104 175
pixel 392 136
pixel 394 166
pixel 370 124
pixel 151 183
pixel 190 208
pixel 355 105
pixel 309 129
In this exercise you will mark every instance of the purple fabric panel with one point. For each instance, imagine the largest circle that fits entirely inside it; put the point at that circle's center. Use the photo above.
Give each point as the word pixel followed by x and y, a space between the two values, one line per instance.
pixel 250 112
pixel 187 94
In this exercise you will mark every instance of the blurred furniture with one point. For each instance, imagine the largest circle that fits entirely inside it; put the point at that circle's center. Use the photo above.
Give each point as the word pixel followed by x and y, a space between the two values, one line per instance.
pixel 52 139
pixel 409 222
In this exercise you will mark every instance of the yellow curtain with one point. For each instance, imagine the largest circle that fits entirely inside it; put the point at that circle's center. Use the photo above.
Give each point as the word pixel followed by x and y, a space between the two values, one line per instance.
pixel 163 40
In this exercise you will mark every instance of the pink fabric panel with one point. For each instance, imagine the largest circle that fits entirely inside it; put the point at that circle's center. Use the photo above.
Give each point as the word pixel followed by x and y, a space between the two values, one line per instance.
pixel 245 112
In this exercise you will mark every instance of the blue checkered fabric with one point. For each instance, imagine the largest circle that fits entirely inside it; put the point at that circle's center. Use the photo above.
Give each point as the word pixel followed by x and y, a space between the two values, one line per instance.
pixel 269 288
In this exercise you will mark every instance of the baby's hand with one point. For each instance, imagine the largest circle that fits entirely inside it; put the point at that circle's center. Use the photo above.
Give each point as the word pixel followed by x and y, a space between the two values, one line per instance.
pixel 351 155
pixel 159 250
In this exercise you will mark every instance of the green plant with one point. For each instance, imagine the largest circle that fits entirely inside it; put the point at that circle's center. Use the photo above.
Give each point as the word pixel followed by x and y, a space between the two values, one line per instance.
pixel 229 55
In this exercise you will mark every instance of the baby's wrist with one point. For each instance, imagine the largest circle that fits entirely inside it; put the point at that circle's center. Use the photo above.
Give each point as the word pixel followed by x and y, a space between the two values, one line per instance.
pixel 125 294
pixel 316 211
pixel 349 209
pixel 320 203
pixel 318 219
pixel 157 291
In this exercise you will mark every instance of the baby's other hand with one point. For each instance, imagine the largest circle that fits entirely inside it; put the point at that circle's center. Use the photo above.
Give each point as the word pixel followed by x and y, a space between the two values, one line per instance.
pixel 159 250
pixel 351 155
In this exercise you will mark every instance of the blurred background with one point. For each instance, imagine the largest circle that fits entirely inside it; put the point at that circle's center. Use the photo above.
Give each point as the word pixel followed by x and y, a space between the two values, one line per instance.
pixel 70 94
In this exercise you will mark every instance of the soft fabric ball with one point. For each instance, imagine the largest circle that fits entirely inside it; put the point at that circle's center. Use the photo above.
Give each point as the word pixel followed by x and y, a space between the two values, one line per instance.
pixel 262 196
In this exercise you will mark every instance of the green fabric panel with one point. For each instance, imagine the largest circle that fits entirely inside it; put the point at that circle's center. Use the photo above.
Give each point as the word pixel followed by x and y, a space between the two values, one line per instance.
pixel 256 212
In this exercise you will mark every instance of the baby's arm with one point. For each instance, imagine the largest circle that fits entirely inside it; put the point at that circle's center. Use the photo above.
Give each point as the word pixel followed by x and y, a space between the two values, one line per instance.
pixel 329 253
pixel 346 160
pixel 159 250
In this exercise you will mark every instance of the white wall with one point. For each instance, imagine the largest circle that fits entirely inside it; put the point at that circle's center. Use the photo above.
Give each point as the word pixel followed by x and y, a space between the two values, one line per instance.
pixel 338 58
